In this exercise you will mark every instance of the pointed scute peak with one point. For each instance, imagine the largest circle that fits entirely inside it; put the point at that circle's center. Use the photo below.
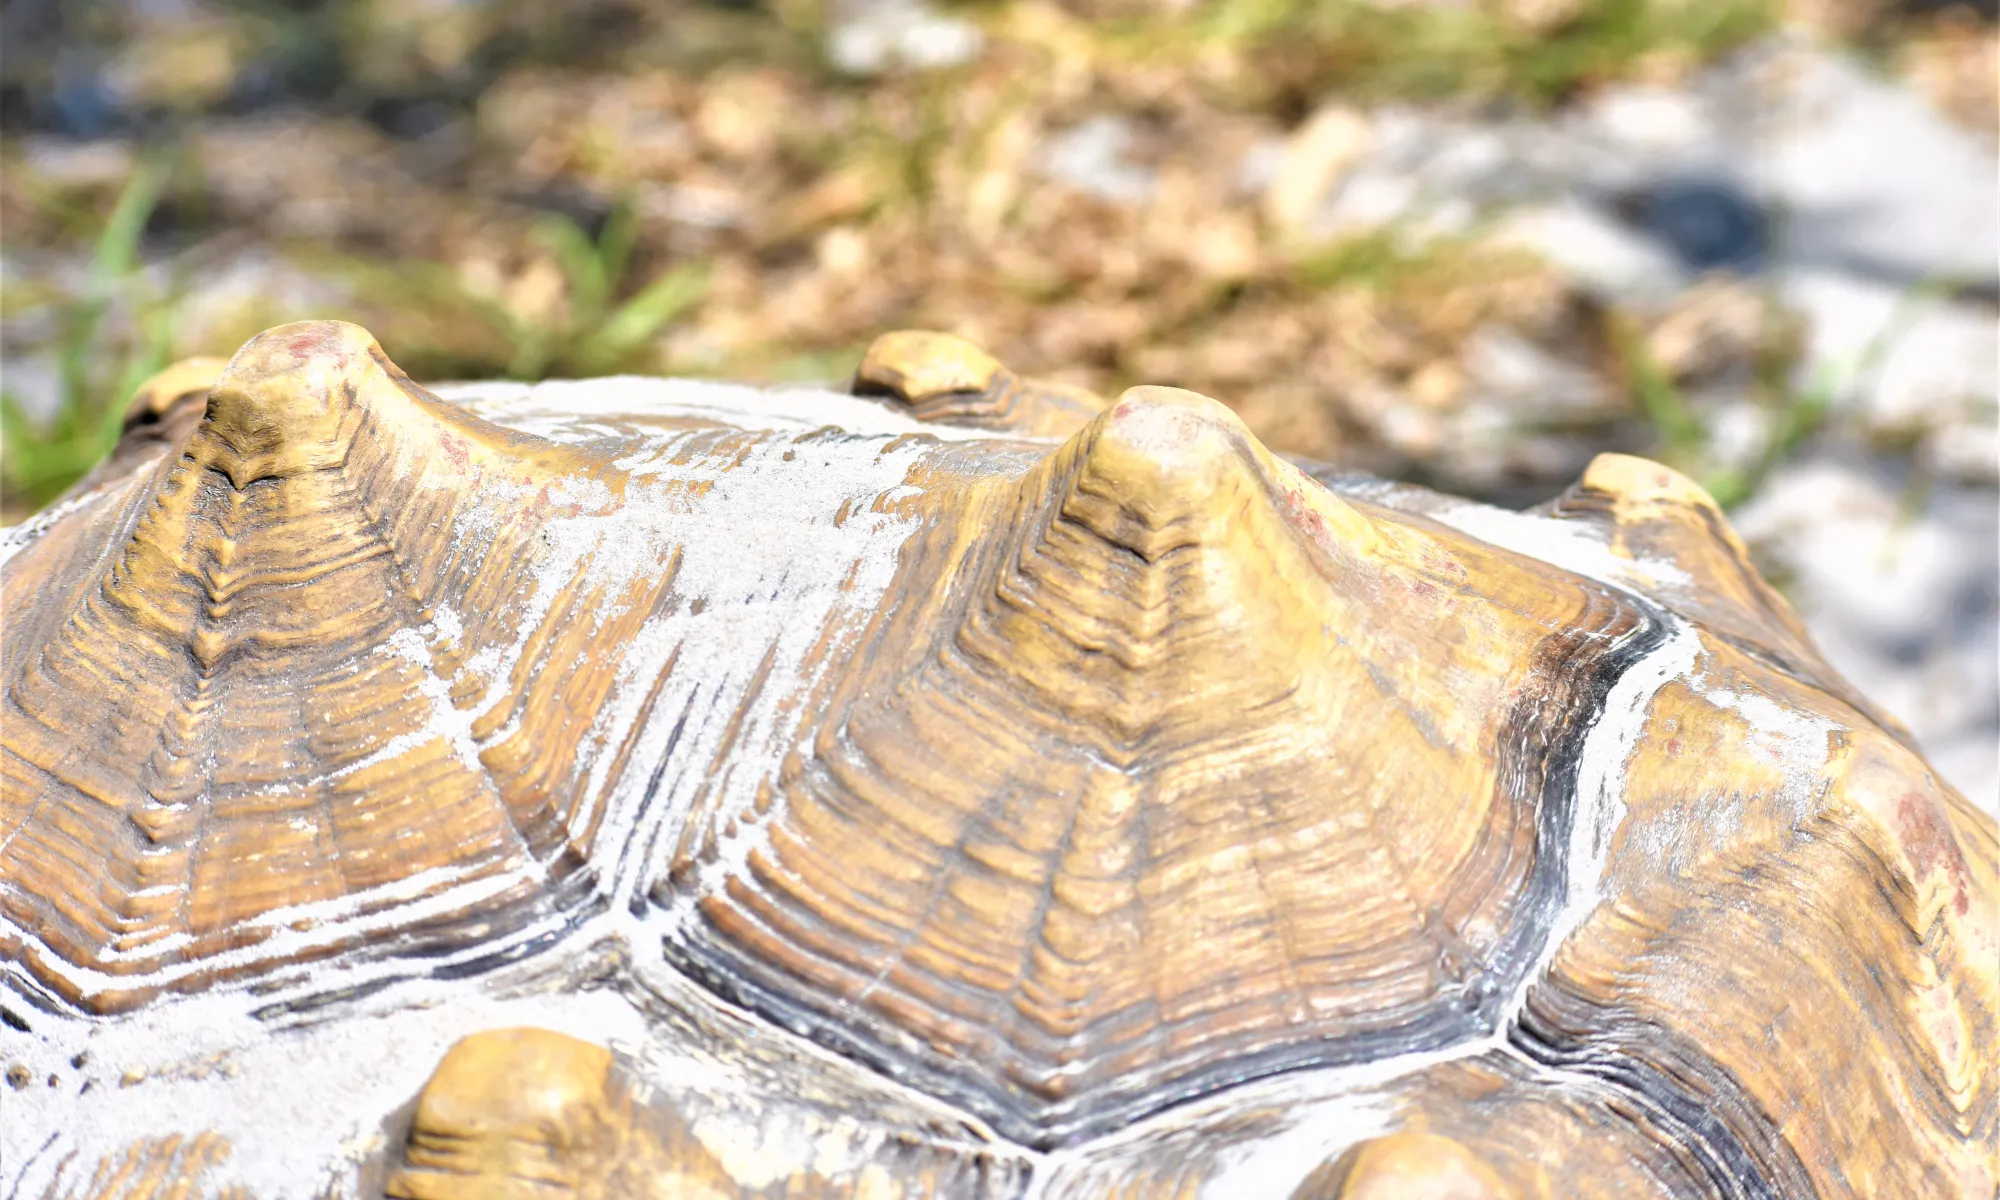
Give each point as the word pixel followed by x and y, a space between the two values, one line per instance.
pixel 1160 442
pixel 916 365
pixel 1160 469
pixel 524 1075
pixel 504 1108
pixel 288 402
pixel 1165 467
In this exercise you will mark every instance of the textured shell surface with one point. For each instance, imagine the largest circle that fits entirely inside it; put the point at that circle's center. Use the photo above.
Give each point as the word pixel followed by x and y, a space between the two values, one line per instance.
pixel 962 787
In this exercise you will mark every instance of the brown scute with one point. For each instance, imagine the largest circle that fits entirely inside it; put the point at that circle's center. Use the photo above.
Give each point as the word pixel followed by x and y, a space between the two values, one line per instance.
pixel 1190 771
pixel 287 403
pixel 230 708
pixel 1813 979
pixel 916 365
pixel 528 1109
pixel 189 380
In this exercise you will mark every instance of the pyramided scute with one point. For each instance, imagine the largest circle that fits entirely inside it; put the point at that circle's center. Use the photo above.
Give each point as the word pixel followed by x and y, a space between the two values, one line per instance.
pixel 298 398
pixel 1162 468
pixel 530 1112
pixel 160 414
pixel 1231 576
pixel 1065 782
pixel 1656 512
pixel 513 1109
pixel 247 706
pixel 1158 743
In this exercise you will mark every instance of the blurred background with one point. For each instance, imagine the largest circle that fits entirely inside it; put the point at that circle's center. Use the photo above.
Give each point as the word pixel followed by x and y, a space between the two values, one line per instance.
pixel 1468 243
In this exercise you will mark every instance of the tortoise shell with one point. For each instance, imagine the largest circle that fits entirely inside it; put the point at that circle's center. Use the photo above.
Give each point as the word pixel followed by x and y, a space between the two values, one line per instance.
pixel 960 787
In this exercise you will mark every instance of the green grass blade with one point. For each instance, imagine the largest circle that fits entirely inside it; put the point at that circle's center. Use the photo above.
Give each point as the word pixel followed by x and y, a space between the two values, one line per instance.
pixel 643 316
pixel 577 256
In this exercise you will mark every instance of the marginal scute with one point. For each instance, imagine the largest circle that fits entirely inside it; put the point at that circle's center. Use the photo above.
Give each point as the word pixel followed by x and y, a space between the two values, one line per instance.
pixel 167 389
pixel 1191 771
pixel 1652 515
pixel 919 365
pixel 1658 513
pixel 1745 1034
pixel 161 413
pixel 946 378
pixel 1933 843
pixel 534 1113
pixel 530 1111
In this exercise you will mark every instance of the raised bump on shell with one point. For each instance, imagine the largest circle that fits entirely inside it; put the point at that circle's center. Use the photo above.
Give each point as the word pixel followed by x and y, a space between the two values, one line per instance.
pixel 151 399
pixel 1644 481
pixel 504 1107
pixel 915 365
pixel 1405 1166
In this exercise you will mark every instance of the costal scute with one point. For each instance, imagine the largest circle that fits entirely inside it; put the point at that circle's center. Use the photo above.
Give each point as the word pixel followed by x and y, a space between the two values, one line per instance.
pixel 978 785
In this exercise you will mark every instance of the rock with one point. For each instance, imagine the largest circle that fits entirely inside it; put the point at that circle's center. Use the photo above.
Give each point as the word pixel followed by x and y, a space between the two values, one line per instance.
pixel 1092 158
pixel 883 35
pixel 1712 327
pixel 1670 124
pixel 66 163
pixel 1869 176
pixel 1605 256
pixel 1315 156
pixel 1903 367
pixel 1951 63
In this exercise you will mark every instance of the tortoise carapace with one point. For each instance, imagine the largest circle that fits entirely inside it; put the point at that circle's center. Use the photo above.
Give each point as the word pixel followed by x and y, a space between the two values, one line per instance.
pixel 960 787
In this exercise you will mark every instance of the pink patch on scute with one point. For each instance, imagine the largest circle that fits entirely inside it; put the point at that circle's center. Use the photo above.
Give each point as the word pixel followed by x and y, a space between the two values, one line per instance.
pixel 1312 516
pixel 1304 514
pixel 308 344
pixel 1928 844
